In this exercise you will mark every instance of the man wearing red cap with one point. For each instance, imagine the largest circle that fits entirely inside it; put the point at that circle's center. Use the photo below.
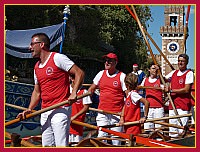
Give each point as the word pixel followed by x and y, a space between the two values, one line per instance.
pixel 111 84
pixel 139 73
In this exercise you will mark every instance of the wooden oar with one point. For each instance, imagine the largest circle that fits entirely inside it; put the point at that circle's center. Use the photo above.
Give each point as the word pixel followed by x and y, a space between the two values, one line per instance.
pixel 92 109
pixel 155 62
pixel 141 140
pixel 172 125
pixel 127 123
pixel 156 88
pixel 123 135
pixel 44 110
pixel 148 87
pixel 148 120
pixel 86 85
pixel 104 111
pixel 159 50
pixel 23 142
pixel 186 28
pixel 17 107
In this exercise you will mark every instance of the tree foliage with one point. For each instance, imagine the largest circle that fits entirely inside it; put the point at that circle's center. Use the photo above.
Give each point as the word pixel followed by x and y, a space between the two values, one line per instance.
pixel 92 30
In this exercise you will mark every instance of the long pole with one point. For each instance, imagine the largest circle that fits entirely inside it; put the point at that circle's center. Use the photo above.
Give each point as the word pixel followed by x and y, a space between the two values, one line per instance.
pixel 151 120
pixel 43 110
pixel 66 13
pixel 154 43
pixel 155 62
pixel 104 111
pixel 186 28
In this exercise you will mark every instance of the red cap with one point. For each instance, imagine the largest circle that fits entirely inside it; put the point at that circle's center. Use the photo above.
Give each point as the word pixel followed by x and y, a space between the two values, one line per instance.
pixel 135 65
pixel 111 56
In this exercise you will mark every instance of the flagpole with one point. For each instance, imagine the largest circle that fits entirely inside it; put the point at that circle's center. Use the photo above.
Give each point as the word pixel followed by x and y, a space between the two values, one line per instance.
pixel 66 13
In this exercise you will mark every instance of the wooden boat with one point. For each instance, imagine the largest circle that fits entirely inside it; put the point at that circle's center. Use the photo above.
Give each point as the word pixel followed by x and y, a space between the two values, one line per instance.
pixel 17 96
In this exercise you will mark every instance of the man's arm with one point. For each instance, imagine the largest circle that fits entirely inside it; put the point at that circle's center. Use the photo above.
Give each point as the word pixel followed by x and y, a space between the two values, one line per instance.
pixel 82 111
pixel 79 78
pixel 35 98
pixel 186 89
pixel 92 88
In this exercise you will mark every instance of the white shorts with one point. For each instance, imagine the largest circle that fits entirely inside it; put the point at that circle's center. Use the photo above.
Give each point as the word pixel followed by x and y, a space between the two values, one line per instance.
pixel 55 127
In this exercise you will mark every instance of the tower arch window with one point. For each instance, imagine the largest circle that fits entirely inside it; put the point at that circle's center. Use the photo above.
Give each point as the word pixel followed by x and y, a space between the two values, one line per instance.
pixel 173 20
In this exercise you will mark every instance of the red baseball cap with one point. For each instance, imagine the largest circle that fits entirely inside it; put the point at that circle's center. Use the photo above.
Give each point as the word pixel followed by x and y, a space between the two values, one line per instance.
pixel 135 65
pixel 111 56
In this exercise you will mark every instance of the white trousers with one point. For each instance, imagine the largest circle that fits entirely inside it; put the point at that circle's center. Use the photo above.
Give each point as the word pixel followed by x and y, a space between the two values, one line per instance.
pixel 75 138
pixel 154 113
pixel 184 121
pixel 108 119
pixel 55 127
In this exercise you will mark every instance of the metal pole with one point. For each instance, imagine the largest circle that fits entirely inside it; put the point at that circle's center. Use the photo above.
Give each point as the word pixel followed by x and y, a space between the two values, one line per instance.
pixel 66 13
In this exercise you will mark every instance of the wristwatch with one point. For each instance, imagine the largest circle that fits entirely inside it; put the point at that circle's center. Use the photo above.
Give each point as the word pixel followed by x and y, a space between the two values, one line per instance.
pixel 145 117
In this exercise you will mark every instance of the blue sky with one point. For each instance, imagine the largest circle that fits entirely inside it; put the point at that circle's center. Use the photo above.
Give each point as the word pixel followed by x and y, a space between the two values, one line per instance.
pixel 154 28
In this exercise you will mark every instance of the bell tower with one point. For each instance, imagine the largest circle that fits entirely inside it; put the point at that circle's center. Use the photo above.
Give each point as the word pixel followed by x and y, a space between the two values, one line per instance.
pixel 172 36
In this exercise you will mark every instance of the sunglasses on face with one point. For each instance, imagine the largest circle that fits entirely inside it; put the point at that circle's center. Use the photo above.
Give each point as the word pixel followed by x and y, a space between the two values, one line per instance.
pixel 109 61
pixel 33 43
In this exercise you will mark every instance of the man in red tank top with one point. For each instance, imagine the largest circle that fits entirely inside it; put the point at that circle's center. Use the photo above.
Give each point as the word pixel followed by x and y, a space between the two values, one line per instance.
pixel 180 89
pixel 51 75
pixel 111 84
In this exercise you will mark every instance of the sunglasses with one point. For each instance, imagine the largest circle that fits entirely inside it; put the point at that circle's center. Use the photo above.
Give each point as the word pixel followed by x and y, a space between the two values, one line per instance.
pixel 109 61
pixel 33 43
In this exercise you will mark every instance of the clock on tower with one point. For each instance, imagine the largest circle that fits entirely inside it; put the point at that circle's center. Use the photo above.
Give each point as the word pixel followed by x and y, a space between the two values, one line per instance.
pixel 173 47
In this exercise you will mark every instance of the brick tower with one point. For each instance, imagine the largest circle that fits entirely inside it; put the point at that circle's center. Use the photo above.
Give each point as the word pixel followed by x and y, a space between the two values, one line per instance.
pixel 172 36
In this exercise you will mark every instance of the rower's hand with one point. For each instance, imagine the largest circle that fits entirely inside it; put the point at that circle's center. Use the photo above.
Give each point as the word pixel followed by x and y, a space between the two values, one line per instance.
pixel 72 98
pixel 23 114
pixel 73 118
pixel 166 88
pixel 142 120
pixel 121 121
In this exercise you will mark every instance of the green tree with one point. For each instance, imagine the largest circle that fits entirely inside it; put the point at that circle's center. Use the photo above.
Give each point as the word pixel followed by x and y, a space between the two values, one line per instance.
pixel 92 30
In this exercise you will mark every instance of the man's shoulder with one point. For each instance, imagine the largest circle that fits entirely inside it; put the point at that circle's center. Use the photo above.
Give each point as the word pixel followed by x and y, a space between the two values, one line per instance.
pixel 140 72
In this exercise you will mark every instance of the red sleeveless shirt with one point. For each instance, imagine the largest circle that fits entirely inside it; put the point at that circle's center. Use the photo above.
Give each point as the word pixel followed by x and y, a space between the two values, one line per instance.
pixel 181 101
pixel 111 93
pixel 54 83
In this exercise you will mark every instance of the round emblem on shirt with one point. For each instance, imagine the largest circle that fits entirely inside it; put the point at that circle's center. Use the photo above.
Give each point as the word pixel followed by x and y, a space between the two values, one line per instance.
pixel 49 70
pixel 181 81
pixel 115 83
pixel 78 102
pixel 156 85
pixel 128 103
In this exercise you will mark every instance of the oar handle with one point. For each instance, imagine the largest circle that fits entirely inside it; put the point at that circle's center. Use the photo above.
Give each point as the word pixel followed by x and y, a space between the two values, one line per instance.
pixel 104 112
pixel 148 87
pixel 44 110
pixel 148 120
pixel 17 107
pixel 172 125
